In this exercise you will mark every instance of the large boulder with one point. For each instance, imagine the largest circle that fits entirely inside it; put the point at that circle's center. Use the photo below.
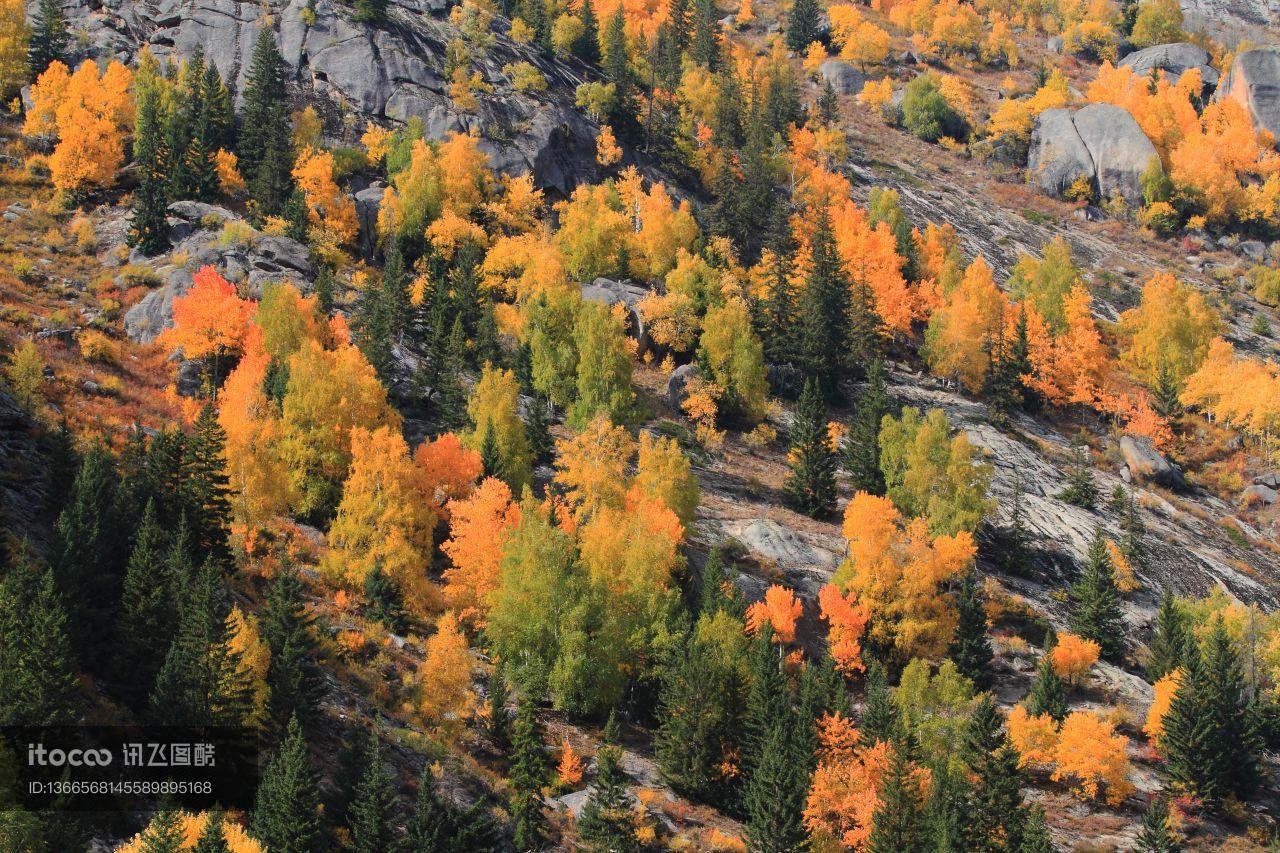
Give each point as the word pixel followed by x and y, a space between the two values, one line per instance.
pixel 843 77
pixel 1058 156
pixel 1148 465
pixel 609 292
pixel 1254 81
pixel 1100 142
pixel 678 385
pixel 1174 60
pixel 368 203
pixel 1120 150
pixel 250 261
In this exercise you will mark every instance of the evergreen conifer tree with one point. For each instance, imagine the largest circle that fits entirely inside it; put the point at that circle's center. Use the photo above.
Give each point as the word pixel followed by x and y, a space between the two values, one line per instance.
pixel 776 791
pixel 608 823
pixel 862 448
pixel 285 817
pixel 213 838
pixel 1132 531
pixel 826 312
pixel 1048 694
pixel 994 810
pixel 1080 491
pixel 296 684
pixel 207 488
pixel 617 70
pixel 373 806
pixel 587 46
pixel 971 647
pixel 881 719
pixel 370 11
pixel 897 824
pixel 49 38
pixel 1164 398
pixel 37 669
pixel 1168 640
pixel 1156 834
pixel 149 227
pixel 1035 834
pixel 529 771
pixel 163 834
pixel 384 599
pixel 811 487
pixel 1095 601
pixel 802 24
pixel 147 618
pixel 768 699
pixel 704 44
pixel 498 720
pixel 266 146
pixel 63 465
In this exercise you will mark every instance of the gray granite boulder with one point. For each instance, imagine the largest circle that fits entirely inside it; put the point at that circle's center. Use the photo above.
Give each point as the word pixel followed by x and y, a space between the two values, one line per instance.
pixel 843 77
pixel 1101 142
pixel 1254 81
pixel 1174 59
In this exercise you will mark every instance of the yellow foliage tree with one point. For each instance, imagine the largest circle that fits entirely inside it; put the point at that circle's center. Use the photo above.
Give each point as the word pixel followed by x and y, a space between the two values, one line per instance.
pixel 332 212
pixel 1073 656
pixel 957 341
pixel 1170 330
pixel 478 529
pixel 445 696
pixel 1165 689
pixel 494 408
pixel 91 116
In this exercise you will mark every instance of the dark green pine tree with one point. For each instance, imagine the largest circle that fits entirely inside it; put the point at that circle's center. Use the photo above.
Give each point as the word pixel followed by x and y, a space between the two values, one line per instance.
pixel 323 289
pixel 1014 535
pixel 971 647
pixel 37 669
pixel 946 814
pixel 1094 601
pixel 777 315
pixel 802 24
pixel 717 590
pixel 207 488
pixel 828 105
pixel 825 312
pixel 777 788
pixel 370 11
pixel 862 448
pixel 1132 532
pixel 213 837
pixel 438 827
pixel 768 700
pixel 384 603
pixel 49 37
pixel 149 226
pixel 165 481
pixel 866 328
pixel 1156 834
pixel 448 396
pixel 811 487
pixel 180 130
pixel 490 455
pixel 881 719
pixel 498 721
pixel 62 466
pixel 295 681
pixel 1164 397
pixel 537 429
pixel 704 45
pixel 608 822
pixel 285 814
pixel 395 291
pixel 587 46
pixel 994 810
pixel 147 618
pixel 529 771
pixel 163 834
pixel 1080 490
pixel 86 559
pixel 266 146
pixel 898 822
pixel 1000 383
pixel 1168 640
pixel 372 811
pixel 1048 694
pixel 617 70
pixel 294 214
pixel 373 332
pixel 1035 834
pixel 208 133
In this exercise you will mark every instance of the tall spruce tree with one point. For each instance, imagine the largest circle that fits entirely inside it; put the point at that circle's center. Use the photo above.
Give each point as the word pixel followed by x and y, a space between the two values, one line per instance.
pixel 372 810
pixel 266 146
pixel 147 616
pixel 439 827
pixel 617 70
pixel 37 668
pixel 49 38
pixel 862 447
pixel 881 718
pixel 1132 531
pixel 163 834
pixel 149 226
pixel 207 487
pixel 529 771
pixel 608 823
pixel 1095 601
pixel 825 312
pixel 587 45
pixel 768 699
pixel 1156 833
pixel 285 814
pixel 776 791
pixel 971 647
pixel 898 823
pixel 295 681
pixel 994 809
pixel 802 24
pixel 811 487
pixel 1035 834
pixel 1080 490
pixel 213 837
pixel 1048 693
pixel 1168 640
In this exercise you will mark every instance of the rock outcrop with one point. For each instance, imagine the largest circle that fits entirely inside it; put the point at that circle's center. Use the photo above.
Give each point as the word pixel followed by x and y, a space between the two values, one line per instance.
pixel 843 77
pixel 610 292
pixel 1254 81
pixel 390 73
pixel 245 257
pixel 1101 142
pixel 1174 59
pixel 1148 465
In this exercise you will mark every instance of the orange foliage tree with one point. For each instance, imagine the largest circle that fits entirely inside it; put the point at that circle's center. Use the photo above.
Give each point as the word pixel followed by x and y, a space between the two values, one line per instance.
pixel 1237 390
pixel 846 619
pixel 209 320
pixel 964 325
pixel 1073 656
pixel 445 696
pixel 1090 753
pixel 780 609
pixel 91 115
pixel 569 769
pixel 896 570
pixel 1165 689
pixel 332 212
pixel 478 529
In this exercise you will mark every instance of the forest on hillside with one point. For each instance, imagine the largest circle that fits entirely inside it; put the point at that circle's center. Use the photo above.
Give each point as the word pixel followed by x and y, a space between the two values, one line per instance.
pixel 747 433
